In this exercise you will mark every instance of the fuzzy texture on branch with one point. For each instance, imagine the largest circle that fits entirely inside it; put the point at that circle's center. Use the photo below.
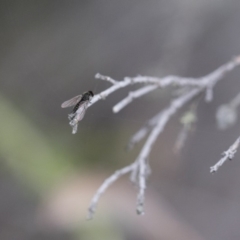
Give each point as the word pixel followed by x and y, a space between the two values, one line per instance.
pixel 106 184
pixel 139 169
pixel 227 155
pixel 140 134
pixel 133 95
pixel 144 154
pixel 208 82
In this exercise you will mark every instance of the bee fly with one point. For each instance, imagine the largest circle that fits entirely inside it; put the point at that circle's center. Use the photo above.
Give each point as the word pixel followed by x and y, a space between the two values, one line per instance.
pixel 80 104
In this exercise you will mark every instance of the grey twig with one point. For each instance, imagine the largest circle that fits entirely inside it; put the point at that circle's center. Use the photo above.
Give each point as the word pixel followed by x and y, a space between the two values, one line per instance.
pixel 227 155
pixel 139 168
pixel 144 154
pixel 106 184
pixel 133 95
pixel 141 133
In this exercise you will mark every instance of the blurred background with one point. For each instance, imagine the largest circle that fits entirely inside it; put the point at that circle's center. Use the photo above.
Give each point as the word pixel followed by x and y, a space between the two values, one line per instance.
pixel 50 52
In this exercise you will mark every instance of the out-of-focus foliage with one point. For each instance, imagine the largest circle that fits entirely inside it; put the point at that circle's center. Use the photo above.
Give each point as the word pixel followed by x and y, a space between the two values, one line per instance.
pixel 39 161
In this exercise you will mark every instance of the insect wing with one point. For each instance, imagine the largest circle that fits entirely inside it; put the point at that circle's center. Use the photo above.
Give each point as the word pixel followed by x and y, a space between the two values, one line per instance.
pixel 81 110
pixel 71 102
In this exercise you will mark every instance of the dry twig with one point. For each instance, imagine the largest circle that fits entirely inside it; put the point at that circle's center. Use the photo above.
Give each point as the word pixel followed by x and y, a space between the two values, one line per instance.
pixel 139 168
pixel 227 155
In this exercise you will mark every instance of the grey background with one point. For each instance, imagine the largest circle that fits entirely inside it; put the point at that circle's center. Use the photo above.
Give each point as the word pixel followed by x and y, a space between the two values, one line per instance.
pixel 50 51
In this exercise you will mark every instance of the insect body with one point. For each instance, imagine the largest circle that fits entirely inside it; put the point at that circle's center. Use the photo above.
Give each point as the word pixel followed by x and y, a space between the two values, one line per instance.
pixel 80 104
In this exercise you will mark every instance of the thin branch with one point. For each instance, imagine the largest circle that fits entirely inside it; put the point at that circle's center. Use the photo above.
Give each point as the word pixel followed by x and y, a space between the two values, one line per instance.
pixel 168 80
pixel 106 184
pixel 105 78
pixel 227 155
pixel 164 82
pixel 141 133
pixel 156 125
pixel 144 154
pixel 211 79
pixel 133 95
pixel 116 85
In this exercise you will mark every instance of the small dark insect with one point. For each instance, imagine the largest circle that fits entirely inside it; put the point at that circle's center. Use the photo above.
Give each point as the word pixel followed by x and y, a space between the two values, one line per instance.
pixel 80 104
